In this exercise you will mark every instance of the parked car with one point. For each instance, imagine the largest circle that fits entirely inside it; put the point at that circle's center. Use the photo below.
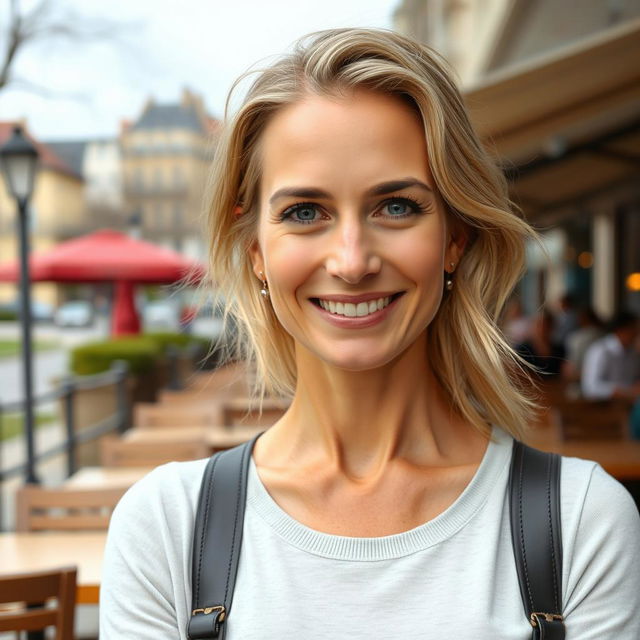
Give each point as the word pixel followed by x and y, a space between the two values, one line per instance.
pixel 77 313
pixel 40 311
pixel 161 314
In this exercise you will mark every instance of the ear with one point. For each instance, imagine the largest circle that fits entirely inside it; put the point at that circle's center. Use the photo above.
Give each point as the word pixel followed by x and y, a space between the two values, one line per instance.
pixel 458 237
pixel 257 261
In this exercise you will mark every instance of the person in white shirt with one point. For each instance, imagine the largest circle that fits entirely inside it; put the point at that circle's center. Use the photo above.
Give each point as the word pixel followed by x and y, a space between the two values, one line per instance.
pixel 611 367
pixel 588 331
pixel 365 244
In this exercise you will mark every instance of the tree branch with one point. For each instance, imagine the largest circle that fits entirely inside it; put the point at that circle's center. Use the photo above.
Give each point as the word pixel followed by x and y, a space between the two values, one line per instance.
pixel 40 25
pixel 46 92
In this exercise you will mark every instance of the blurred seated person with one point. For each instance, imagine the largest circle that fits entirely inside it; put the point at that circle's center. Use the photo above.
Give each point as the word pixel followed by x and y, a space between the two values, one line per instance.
pixel 540 350
pixel 589 329
pixel 565 321
pixel 611 366
pixel 516 326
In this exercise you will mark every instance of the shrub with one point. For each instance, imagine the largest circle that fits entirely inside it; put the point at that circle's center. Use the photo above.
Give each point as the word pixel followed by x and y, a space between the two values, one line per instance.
pixel 140 352
pixel 181 340
pixel 8 315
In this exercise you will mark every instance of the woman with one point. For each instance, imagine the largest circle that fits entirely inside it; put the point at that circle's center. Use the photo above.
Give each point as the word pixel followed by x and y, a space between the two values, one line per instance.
pixel 365 245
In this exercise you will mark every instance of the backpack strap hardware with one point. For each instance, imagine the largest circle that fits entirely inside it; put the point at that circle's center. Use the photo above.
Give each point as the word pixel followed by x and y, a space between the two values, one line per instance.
pixel 548 617
pixel 207 622
pixel 207 610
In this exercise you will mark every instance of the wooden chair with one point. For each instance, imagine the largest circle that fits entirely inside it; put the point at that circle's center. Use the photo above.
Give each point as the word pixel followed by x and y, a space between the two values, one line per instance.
pixel 34 592
pixel 243 411
pixel 43 508
pixel 235 416
pixel 592 419
pixel 154 415
pixel 167 398
pixel 116 452
pixel 232 379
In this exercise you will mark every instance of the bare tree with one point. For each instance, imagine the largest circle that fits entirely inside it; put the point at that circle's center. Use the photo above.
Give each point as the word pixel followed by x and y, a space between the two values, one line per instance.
pixel 44 23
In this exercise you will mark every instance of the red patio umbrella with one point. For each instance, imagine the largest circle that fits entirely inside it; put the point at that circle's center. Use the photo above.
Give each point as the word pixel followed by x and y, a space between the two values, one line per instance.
pixel 110 256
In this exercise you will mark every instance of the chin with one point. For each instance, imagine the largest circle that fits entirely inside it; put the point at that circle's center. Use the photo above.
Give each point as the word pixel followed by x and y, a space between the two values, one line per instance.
pixel 358 359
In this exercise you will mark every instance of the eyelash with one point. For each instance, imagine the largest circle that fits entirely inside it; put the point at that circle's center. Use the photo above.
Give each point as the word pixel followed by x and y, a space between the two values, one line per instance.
pixel 416 208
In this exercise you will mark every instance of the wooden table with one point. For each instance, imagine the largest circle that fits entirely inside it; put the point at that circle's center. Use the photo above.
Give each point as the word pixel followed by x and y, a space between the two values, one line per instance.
pixel 105 477
pixel 36 551
pixel 620 458
pixel 216 438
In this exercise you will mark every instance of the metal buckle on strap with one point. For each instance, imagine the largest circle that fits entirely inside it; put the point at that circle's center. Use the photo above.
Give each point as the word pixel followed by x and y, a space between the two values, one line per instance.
pixel 548 617
pixel 207 610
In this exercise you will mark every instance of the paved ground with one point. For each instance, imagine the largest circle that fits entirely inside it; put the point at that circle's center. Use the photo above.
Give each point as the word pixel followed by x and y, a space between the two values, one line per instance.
pixel 47 365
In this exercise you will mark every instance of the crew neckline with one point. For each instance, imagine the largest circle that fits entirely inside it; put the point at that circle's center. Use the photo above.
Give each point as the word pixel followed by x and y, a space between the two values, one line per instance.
pixel 493 465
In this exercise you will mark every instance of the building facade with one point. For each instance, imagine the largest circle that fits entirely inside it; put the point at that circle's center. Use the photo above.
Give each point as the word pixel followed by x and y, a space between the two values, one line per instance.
pixel 166 154
pixel 57 212
pixel 99 162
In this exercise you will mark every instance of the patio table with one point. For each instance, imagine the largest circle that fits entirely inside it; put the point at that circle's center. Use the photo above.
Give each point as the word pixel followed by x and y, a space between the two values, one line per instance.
pixel 35 551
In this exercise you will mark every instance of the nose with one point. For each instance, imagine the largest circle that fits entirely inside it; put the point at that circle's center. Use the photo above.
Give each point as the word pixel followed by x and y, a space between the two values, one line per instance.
pixel 352 253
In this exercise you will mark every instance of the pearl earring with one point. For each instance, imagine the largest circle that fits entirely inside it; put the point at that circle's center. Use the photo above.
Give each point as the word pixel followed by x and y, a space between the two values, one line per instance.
pixel 448 284
pixel 264 292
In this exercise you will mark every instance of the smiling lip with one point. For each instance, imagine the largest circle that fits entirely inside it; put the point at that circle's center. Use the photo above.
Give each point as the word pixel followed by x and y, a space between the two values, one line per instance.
pixel 357 322
pixel 363 297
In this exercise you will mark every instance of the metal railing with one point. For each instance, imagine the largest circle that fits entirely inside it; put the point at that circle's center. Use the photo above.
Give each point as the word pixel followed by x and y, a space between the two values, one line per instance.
pixel 119 421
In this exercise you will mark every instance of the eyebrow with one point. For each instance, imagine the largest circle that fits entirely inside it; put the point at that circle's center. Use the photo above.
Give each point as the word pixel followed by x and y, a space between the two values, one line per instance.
pixel 378 190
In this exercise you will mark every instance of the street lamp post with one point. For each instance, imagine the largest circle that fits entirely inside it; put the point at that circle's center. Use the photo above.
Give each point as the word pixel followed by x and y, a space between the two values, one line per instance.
pixel 19 160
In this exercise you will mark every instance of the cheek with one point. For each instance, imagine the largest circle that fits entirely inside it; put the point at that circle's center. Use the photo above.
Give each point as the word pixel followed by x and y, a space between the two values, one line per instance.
pixel 421 256
pixel 288 264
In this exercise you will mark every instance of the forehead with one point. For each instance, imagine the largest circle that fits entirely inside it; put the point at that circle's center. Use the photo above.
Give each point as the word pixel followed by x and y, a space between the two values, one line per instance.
pixel 336 142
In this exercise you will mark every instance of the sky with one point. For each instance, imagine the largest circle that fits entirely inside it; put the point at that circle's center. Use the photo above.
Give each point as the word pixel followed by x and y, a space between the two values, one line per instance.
pixel 85 88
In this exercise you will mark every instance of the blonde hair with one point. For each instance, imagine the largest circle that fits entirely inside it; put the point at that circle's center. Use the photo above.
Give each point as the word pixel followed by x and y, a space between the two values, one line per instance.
pixel 468 353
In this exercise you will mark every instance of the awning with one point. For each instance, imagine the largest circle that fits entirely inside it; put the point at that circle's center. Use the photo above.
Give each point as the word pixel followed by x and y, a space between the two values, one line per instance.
pixel 567 124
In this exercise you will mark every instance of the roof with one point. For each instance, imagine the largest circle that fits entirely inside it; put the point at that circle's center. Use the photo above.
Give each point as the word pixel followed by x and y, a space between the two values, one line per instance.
pixel 170 116
pixel 71 152
pixel 48 157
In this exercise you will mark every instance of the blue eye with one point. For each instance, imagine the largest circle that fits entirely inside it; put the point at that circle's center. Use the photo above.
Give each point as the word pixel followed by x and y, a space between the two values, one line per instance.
pixel 401 207
pixel 302 213
pixel 397 208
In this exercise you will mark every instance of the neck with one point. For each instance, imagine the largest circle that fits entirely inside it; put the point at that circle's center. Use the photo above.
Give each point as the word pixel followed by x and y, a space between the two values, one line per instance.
pixel 358 421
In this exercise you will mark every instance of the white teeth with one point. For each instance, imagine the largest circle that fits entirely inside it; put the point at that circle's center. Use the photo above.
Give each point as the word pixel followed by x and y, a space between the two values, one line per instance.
pixel 351 310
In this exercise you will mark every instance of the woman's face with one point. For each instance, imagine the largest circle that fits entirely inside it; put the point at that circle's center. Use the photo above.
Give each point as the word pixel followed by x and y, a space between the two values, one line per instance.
pixel 352 236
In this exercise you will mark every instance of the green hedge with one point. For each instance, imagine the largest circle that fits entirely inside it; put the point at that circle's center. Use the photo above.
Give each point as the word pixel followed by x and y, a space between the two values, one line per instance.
pixel 8 316
pixel 181 340
pixel 140 352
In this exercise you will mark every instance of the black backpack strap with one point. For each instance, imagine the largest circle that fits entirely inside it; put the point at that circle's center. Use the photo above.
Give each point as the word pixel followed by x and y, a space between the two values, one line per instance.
pixel 534 490
pixel 217 540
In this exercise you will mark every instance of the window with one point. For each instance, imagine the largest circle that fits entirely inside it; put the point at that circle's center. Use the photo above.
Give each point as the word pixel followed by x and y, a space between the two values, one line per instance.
pixel 138 178
pixel 178 176
pixel 178 214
